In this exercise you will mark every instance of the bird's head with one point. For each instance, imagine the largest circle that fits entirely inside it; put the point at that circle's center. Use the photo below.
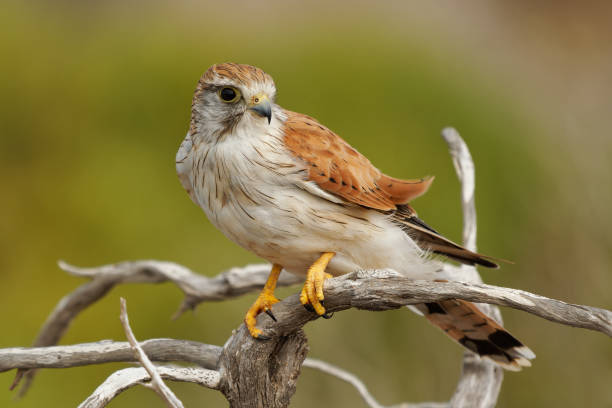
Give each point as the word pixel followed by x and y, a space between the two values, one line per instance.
pixel 231 94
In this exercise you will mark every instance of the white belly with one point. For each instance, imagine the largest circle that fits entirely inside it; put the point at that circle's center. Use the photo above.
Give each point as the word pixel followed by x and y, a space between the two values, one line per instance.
pixel 295 227
pixel 264 210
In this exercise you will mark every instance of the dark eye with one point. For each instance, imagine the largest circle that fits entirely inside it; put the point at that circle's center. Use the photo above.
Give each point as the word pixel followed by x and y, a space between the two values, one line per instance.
pixel 229 95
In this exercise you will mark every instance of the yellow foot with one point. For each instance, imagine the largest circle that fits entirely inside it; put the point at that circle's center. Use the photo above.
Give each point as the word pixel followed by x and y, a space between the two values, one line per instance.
pixel 312 292
pixel 263 303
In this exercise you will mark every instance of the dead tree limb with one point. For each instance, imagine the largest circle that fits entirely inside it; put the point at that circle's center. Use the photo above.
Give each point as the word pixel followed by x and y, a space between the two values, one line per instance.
pixel 254 373
pixel 369 290
pixel 361 387
pixel 480 380
pixel 121 380
pixel 108 351
pixel 156 383
pixel 197 288
pixel 366 290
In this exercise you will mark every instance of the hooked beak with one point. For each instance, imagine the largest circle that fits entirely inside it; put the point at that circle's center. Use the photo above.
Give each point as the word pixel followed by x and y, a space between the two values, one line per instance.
pixel 261 105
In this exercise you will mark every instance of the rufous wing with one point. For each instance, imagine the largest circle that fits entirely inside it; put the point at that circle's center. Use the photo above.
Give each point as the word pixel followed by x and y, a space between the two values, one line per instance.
pixel 340 169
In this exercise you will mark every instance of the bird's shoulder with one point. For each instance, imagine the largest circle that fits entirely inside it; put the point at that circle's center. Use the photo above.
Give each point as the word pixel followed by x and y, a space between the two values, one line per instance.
pixel 338 168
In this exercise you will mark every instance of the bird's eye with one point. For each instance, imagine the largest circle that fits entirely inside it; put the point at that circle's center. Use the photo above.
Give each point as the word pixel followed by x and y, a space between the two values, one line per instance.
pixel 229 95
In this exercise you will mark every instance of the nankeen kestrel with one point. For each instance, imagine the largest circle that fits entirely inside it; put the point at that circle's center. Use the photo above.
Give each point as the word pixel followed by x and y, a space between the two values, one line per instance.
pixel 287 188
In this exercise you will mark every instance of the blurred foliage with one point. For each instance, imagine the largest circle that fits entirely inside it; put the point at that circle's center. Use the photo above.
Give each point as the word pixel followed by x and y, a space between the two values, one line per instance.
pixel 95 100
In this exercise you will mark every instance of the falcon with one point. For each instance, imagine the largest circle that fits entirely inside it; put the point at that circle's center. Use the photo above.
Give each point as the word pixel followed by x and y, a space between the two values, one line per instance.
pixel 282 185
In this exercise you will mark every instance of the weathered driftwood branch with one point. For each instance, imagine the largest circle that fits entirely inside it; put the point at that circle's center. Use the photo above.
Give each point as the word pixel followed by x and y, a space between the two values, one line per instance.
pixel 480 380
pixel 361 387
pixel 197 288
pixel 368 290
pixel 121 380
pixel 156 383
pixel 254 373
pixel 108 351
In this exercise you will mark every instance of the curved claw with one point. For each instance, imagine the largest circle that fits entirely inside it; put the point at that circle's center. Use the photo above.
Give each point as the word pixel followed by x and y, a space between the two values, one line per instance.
pixel 262 304
pixel 308 307
pixel 262 337
pixel 269 313
pixel 327 315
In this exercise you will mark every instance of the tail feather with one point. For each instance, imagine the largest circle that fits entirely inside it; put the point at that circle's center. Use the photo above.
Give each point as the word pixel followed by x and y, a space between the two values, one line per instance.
pixel 469 326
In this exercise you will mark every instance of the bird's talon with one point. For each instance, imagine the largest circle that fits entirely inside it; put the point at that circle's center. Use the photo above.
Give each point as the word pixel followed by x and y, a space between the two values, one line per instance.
pixel 312 292
pixel 309 307
pixel 254 331
pixel 327 315
pixel 263 303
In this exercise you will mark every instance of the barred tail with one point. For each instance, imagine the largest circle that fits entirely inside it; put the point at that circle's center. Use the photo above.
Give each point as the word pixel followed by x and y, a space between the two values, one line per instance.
pixel 470 327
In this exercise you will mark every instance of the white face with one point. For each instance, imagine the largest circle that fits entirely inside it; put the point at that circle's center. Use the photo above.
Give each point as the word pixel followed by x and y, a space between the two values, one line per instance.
pixel 224 104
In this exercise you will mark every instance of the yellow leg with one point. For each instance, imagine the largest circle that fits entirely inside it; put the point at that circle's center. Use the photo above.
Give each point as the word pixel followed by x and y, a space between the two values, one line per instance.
pixel 312 292
pixel 264 301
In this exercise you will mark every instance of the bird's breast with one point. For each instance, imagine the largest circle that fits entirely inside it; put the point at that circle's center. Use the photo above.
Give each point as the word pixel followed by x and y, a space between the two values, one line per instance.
pixel 242 188
pixel 254 193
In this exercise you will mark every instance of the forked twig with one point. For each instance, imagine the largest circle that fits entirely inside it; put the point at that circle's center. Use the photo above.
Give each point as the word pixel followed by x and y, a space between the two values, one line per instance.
pixel 361 387
pixel 157 383
pixel 480 380
pixel 121 380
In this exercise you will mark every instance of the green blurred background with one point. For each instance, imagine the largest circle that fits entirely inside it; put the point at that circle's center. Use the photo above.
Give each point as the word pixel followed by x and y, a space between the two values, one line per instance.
pixel 95 99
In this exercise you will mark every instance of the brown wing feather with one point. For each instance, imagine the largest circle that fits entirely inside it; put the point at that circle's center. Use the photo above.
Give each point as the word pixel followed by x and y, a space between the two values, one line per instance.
pixel 339 169
pixel 430 240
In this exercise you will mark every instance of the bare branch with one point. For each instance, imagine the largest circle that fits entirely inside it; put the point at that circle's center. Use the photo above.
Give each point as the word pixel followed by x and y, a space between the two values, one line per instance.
pixel 464 167
pixel 121 380
pixel 367 290
pixel 262 373
pixel 197 288
pixel 480 380
pixel 108 351
pixel 157 383
pixel 370 290
pixel 479 384
pixel 386 289
pixel 344 376
pixel 361 387
pixel 423 405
